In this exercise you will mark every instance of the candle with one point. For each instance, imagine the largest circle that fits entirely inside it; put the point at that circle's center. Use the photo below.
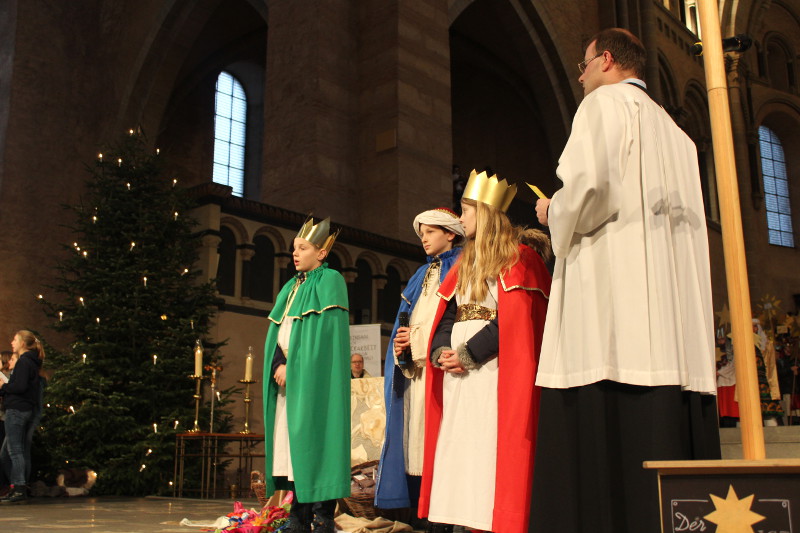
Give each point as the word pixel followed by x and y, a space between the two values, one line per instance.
pixel 198 358
pixel 84 358
pixel 155 358
pixel 248 365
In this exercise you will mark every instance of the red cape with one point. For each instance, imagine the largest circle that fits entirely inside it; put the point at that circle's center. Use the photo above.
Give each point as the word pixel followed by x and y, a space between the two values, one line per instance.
pixel 521 309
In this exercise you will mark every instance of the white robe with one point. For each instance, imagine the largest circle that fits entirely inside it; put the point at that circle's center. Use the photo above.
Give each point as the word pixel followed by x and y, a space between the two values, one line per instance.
pixel 464 471
pixel 631 294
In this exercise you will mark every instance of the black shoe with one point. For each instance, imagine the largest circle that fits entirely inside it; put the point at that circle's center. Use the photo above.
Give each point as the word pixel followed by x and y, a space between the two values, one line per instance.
pixel 299 518
pixel 18 495
pixel 436 527
pixel 294 525
pixel 324 525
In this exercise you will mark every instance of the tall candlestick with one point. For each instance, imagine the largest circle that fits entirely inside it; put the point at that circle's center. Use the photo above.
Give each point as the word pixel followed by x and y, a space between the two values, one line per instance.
pixel 248 365
pixel 198 358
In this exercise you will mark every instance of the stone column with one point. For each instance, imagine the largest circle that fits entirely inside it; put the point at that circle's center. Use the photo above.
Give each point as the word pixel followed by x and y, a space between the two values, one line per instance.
pixel 405 138
pixel 209 255
pixel 310 102
pixel 282 260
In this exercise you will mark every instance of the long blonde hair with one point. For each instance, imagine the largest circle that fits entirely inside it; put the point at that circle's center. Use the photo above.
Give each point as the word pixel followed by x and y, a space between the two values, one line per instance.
pixel 30 342
pixel 494 249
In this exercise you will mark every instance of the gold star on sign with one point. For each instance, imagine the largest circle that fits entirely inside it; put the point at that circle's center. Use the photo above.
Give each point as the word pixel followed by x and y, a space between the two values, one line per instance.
pixel 733 515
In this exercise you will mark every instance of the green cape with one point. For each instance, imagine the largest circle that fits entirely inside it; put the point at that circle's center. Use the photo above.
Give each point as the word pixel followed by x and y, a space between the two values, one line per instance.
pixel 317 386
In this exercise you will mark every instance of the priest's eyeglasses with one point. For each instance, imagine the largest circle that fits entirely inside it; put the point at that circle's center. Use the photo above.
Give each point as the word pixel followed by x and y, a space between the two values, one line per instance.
pixel 583 64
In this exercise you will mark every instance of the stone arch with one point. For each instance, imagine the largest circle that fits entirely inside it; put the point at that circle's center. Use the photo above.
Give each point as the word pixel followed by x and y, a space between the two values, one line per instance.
pixel 401 267
pixel 274 235
pixel 374 261
pixel 696 121
pixel 344 255
pixel 512 100
pixel 779 61
pixel 697 125
pixel 782 116
pixel 237 228
pixel 669 93
pixel 174 75
pixel 784 121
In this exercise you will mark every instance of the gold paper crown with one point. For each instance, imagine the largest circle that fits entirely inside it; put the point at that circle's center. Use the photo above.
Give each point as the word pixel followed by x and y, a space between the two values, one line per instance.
pixel 318 234
pixel 482 188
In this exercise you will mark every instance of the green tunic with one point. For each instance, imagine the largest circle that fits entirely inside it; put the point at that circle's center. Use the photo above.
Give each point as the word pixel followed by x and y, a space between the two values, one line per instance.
pixel 317 386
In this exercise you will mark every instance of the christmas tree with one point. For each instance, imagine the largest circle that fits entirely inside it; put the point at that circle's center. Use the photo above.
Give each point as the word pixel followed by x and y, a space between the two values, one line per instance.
pixel 129 299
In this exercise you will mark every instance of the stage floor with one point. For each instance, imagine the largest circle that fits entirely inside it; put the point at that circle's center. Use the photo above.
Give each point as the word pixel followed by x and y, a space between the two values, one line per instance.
pixel 112 514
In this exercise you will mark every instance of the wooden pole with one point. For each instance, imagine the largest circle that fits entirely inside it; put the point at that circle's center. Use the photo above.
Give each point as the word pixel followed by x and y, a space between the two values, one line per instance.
pixel 732 235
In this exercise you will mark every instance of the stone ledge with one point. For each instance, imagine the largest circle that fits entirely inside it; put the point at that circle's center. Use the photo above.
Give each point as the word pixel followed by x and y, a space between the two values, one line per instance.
pixel 780 441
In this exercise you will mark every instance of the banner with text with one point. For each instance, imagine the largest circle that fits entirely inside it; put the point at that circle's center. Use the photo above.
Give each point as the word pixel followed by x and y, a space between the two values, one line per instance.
pixel 365 339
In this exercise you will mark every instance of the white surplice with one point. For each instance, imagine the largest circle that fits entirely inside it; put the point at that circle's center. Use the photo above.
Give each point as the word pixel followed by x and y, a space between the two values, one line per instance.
pixel 631 294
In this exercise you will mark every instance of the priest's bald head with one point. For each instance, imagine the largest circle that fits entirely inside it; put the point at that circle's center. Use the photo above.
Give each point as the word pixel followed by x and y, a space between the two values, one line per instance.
pixel 612 55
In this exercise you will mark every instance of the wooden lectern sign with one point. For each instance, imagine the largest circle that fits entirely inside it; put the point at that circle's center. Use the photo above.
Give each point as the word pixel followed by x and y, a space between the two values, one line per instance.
pixel 729 496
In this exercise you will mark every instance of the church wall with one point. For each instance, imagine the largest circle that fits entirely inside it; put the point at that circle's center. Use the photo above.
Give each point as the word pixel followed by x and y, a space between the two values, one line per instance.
pixel 772 269
pixel 310 103
pixel 69 70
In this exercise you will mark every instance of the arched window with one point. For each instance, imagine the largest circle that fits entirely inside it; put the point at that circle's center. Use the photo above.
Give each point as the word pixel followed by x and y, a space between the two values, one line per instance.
pixel 262 273
pixel 778 66
pixel 226 271
pixel 229 133
pixel 776 188
pixel 688 14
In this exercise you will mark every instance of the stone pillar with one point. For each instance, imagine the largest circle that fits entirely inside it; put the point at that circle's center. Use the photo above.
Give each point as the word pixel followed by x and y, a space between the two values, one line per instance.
pixel 405 138
pixel 282 260
pixel 208 221
pixel 209 255
pixel 311 102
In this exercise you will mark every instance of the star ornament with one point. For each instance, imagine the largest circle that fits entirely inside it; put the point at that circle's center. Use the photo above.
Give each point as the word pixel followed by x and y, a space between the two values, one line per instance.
pixel 733 515
pixel 724 316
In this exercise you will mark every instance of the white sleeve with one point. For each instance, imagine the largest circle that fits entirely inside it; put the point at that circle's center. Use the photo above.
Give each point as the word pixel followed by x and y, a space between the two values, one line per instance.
pixel 591 169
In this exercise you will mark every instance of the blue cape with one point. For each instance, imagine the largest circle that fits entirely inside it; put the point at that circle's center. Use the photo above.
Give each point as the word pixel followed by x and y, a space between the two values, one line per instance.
pixel 391 491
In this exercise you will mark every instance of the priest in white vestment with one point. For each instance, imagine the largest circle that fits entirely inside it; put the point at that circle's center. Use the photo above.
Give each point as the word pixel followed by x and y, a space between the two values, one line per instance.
pixel 627 363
